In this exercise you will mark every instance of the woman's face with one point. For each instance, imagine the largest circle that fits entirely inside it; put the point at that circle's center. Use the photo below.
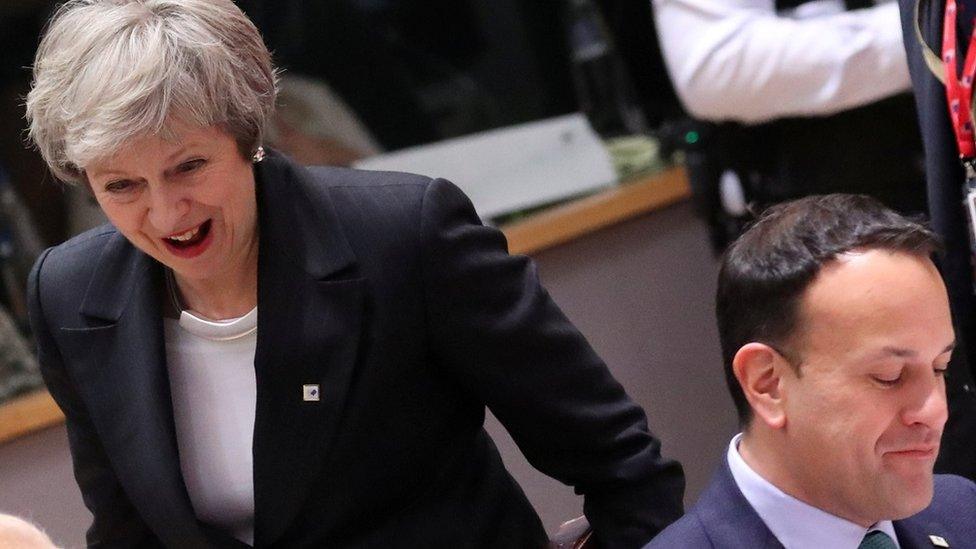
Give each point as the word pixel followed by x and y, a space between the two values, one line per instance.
pixel 189 204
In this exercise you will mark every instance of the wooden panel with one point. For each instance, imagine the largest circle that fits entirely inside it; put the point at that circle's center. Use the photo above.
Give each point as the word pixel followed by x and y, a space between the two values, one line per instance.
pixel 543 230
pixel 27 414
pixel 564 223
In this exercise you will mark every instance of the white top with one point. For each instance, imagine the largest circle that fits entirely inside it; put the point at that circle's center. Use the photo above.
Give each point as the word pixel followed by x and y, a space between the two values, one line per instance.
pixel 740 60
pixel 211 377
pixel 795 524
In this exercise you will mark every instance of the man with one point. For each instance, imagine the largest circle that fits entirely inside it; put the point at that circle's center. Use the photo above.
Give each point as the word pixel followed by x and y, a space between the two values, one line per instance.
pixel 836 333
pixel 944 178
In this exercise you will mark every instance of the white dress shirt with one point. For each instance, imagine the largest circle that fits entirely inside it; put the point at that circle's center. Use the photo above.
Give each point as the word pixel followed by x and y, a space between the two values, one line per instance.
pixel 214 392
pixel 795 524
pixel 740 60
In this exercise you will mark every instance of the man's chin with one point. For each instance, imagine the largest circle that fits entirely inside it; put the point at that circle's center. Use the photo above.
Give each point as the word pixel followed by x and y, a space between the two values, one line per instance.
pixel 910 496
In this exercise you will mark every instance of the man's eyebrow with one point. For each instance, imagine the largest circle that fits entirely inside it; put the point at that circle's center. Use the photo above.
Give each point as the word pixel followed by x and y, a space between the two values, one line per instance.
pixel 900 352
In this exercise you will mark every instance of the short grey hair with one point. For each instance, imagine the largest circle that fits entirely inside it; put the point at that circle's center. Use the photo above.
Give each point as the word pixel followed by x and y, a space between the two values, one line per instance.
pixel 108 71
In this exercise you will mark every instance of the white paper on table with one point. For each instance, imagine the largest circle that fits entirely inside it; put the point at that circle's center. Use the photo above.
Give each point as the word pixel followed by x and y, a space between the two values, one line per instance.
pixel 514 168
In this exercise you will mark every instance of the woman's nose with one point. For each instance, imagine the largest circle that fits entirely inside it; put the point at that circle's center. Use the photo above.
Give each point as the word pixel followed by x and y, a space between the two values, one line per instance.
pixel 168 207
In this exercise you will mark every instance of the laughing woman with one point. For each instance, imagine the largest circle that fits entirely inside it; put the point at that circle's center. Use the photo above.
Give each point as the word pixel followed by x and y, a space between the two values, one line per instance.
pixel 255 352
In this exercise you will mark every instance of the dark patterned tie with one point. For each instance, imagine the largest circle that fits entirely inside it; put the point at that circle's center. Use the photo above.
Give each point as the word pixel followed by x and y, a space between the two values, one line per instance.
pixel 876 539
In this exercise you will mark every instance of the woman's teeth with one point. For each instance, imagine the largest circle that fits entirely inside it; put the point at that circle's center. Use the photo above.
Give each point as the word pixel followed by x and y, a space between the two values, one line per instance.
pixel 185 236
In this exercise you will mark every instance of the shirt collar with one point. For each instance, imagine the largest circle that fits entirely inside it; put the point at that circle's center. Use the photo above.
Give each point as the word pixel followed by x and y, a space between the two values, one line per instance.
pixel 796 524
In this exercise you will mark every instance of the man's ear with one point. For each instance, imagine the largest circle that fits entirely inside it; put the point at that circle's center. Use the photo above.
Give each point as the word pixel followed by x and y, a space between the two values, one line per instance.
pixel 759 369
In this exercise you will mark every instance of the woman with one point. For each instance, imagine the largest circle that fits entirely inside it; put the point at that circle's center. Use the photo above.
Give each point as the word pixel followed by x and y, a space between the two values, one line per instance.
pixel 350 411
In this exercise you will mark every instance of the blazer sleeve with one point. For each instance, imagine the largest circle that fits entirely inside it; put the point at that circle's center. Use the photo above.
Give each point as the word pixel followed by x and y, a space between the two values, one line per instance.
pixel 496 330
pixel 115 521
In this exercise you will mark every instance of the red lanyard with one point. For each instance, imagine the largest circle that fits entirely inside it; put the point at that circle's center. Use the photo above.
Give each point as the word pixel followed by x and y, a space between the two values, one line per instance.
pixel 959 91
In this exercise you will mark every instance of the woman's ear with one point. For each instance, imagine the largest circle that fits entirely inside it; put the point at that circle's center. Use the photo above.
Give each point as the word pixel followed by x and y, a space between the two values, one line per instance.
pixel 759 369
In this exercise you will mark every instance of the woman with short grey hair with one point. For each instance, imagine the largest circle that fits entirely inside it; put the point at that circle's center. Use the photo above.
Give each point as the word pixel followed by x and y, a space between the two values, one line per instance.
pixel 350 411
pixel 110 71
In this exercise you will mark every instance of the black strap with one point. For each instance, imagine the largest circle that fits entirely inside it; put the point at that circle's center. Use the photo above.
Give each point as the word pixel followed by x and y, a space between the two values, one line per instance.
pixel 849 5
pixel 858 4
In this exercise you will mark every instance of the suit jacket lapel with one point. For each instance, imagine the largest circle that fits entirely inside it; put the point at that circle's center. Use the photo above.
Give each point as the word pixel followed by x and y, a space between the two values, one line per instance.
pixel 120 369
pixel 913 532
pixel 310 312
pixel 911 538
pixel 726 514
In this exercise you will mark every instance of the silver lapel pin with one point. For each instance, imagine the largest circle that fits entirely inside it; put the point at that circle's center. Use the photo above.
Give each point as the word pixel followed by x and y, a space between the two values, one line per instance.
pixel 311 393
pixel 938 541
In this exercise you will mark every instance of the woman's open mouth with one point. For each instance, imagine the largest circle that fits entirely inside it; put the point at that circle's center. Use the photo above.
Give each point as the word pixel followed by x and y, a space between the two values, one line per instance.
pixel 190 243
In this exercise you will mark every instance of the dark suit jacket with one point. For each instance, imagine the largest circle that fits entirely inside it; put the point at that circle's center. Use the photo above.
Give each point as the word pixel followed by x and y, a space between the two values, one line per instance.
pixel 944 177
pixel 386 291
pixel 722 518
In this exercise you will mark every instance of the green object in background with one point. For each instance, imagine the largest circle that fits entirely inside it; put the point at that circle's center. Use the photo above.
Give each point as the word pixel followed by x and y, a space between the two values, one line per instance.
pixel 632 156
pixel 635 155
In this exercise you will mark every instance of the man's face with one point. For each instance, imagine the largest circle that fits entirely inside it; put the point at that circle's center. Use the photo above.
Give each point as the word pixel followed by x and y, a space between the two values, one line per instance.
pixel 865 414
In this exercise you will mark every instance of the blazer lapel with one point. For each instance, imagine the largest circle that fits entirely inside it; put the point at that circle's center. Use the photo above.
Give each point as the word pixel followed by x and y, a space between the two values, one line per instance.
pixel 910 538
pixel 914 532
pixel 726 514
pixel 118 363
pixel 309 318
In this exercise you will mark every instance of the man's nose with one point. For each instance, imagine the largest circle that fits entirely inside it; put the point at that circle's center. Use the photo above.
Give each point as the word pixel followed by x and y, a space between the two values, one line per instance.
pixel 168 205
pixel 929 407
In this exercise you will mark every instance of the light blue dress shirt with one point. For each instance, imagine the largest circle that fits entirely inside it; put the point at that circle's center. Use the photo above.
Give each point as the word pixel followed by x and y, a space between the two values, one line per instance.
pixel 796 524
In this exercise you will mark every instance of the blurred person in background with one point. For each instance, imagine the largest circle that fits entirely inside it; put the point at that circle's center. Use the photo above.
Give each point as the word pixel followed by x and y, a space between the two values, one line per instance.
pixel 948 148
pixel 350 411
pixel 795 97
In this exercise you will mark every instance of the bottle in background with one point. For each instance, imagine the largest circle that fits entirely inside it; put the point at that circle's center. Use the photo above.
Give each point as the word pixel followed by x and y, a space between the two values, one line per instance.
pixel 603 87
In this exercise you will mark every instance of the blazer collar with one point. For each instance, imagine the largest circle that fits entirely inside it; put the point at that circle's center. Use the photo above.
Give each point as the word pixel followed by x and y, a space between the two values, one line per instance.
pixel 912 533
pixel 726 514
pixel 118 365
pixel 120 271
pixel 303 225
pixel 943 518
pixel 311 303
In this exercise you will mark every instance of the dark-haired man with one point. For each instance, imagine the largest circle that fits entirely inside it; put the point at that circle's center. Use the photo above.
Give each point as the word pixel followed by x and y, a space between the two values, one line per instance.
pixel 836 332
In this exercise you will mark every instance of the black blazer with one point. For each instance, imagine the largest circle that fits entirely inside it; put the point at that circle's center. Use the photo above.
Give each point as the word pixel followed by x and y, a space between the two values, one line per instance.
pixel 386 290
pixel 944 179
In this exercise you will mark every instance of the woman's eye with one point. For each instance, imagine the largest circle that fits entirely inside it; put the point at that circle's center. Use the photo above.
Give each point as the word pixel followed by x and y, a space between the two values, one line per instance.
pixel 120 186
pixel 190 165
